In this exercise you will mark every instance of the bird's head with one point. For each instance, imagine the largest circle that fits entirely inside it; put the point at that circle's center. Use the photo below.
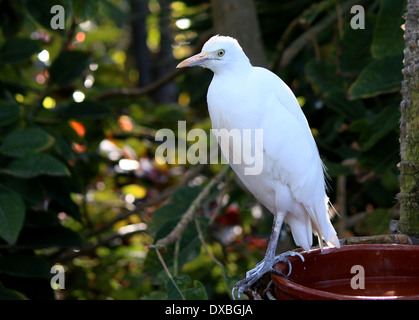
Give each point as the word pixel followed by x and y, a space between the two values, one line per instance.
pixel 218 53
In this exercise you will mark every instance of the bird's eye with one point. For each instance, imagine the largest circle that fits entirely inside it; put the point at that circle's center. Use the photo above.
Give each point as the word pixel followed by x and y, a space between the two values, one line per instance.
pixel 220 53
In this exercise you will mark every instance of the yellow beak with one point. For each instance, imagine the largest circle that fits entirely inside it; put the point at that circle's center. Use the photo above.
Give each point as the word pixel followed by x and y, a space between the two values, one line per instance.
pixel 194 60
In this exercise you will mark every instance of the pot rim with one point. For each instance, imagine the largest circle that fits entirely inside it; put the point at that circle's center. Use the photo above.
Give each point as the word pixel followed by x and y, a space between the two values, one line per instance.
pixel 293 288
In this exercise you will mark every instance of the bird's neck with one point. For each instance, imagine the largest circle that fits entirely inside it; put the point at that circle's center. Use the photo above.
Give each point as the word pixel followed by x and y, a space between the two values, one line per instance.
pixel 238 69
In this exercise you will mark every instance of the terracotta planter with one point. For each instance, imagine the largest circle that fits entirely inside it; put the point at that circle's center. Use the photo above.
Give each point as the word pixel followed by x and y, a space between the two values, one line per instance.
pixel 386 271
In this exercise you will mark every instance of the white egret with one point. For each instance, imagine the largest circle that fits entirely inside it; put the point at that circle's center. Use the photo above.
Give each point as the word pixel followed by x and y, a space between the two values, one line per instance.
pixel 292 183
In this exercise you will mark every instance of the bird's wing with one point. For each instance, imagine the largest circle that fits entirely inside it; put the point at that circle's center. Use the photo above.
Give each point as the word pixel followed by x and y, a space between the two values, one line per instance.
pixel 282 92
pixel 293 159
pixel 292 155
pixel 290 146
pixel 288 141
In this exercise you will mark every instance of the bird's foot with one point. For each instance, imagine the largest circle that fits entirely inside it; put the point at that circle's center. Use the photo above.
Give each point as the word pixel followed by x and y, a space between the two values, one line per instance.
pixel 266 265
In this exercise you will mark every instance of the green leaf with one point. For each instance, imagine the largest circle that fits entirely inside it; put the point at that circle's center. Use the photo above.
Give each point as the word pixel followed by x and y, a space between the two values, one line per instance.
pixel 380 76
pixel 165 219
pixel 189 248
pixel 30 190
pixel 59 191
pixel 190 245
pixel 85 10
pixel 12 215
pixel 63 148
pixel 36 164
pixel 351 110
pixel 198 292
pixel 115 13
pixel 325 82
pixel 15 85
pixel 40 219
pixel 388 34
pixel 85 110
pixel 183 283
pixel 20 142
pixel 356 45
pixel 50 237
pixel 9 112
pixel 7 294
pixel 316 9
pixel 18 49
pixel 25 265
pixel 68 66
pixel 166 113
pixel 173 210
pixel 383 155
pixel 359 125
pixel 322 77
pixel 383 123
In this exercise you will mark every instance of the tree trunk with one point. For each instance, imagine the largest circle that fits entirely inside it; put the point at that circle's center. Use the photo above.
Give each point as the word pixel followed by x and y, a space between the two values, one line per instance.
pixel 238 19
pixel 164 62
pixel 142 54
pixel 152 67
pixel 409 126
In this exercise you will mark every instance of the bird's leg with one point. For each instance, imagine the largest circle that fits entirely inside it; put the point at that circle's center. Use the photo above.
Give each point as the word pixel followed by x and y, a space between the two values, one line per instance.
pixel 266 265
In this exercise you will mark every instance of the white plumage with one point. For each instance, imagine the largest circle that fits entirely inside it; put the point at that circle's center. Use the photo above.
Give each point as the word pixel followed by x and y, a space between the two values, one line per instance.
pixel 292 183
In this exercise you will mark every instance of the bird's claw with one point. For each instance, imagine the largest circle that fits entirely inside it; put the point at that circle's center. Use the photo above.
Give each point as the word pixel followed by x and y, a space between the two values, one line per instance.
pixel 266 265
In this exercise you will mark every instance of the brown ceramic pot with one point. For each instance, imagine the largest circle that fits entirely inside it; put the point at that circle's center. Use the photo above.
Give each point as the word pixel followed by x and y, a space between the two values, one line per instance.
pixel 373 271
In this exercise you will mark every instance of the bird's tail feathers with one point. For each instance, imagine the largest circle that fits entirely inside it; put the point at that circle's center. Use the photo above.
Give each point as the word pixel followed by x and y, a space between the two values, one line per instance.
pixel 327 177
pixel 320 240
pixel 301 232
pixel 324 229
pixel 332 212
pixel 333 241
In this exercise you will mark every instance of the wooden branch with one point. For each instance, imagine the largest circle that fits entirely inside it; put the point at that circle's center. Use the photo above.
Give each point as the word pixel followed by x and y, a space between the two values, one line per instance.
pixel 284 56
pixel 89 248
pixel 188 216
pixel 65 255
pixel 190 174
pixel 280 47
pixel 298 44
pixel 166 269
pixel 136 92
pixel 378 239
pixel 213 258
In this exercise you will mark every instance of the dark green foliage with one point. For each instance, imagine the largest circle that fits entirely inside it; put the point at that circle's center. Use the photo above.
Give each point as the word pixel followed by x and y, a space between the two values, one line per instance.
pixel 380 76
pixel 68 66
pixel 18 49
pixel 67 198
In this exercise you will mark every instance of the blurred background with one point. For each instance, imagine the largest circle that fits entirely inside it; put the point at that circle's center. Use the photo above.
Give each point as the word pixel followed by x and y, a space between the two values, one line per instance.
pixel 83 92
